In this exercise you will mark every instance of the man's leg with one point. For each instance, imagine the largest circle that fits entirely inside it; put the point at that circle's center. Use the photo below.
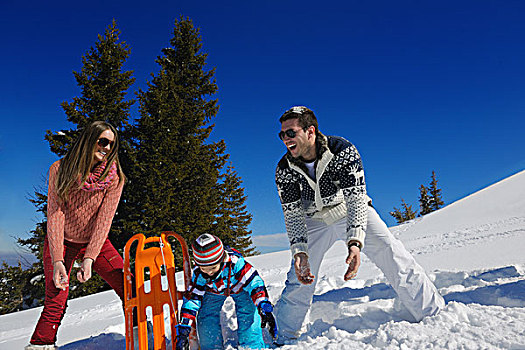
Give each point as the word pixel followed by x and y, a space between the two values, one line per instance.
pixel 296 298
pixel 209 322
pixel 415 290
pixel 248 322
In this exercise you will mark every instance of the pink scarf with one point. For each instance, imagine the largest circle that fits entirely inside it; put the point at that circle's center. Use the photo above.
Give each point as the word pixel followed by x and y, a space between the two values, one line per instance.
pixel 93 182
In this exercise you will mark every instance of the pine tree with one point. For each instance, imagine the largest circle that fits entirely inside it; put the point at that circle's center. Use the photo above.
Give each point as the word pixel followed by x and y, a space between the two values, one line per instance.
pixel 11 292
pixel 435 193
pixel 180 183
pixel 408 213
pixel 397 214
pixel 103 87
pixel 424 201
pixel 231 215
pixel 404 214
pixel 32 279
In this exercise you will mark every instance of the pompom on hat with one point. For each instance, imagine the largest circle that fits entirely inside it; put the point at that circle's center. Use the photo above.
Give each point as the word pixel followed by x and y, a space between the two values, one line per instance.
pixel 207 250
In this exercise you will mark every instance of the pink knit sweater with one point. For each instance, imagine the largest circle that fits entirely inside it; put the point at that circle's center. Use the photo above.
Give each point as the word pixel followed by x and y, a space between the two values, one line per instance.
pixel 85 218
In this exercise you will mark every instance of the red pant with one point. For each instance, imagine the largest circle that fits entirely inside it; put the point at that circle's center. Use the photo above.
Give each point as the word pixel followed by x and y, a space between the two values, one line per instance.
pixel 109 265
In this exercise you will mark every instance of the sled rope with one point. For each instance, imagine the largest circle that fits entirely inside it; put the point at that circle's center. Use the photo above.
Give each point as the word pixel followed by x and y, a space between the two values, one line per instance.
pixel 166 268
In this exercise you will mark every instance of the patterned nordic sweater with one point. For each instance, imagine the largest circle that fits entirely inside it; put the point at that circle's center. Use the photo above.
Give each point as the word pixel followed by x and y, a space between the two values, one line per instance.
pixel 242 276
pixel 337 191
pixel 85 218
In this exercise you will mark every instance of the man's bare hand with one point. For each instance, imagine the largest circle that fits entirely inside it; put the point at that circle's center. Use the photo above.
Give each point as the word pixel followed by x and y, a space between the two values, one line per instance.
pixel 354 261
pixel 302 269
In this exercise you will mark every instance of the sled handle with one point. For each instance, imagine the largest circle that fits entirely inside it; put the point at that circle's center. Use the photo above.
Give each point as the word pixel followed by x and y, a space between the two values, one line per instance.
pixel 186 267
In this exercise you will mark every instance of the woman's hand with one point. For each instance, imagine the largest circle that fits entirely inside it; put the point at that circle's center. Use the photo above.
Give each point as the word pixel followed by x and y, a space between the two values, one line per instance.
pixel 60 277
pixel 85 270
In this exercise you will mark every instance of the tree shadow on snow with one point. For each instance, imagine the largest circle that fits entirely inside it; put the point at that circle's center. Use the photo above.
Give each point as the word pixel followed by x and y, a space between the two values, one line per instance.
pixel 106 341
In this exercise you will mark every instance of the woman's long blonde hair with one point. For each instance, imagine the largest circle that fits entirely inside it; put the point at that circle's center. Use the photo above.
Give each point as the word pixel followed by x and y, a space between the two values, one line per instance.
pixel 75 167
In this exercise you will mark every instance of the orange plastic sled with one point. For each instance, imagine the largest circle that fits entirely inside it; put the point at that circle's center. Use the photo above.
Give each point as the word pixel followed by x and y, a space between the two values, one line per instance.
pixel 153 286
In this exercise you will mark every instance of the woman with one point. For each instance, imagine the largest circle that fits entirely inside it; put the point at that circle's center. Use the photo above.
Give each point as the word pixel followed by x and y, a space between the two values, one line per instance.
pixel 83 194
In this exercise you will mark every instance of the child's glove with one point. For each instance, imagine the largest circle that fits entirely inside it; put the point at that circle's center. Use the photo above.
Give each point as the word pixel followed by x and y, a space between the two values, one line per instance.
pixel 183 335
pixel 267 319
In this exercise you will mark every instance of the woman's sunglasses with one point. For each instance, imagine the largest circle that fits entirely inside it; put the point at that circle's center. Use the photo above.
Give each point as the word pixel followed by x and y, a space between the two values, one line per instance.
pixel 290 133
pixel 103 142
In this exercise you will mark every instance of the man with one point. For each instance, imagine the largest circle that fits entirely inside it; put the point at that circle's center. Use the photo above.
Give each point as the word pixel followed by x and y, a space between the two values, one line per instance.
pixel 321 184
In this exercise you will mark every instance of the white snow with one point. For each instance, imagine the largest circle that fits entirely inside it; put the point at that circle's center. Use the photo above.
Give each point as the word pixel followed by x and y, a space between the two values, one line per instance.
pixel 472 249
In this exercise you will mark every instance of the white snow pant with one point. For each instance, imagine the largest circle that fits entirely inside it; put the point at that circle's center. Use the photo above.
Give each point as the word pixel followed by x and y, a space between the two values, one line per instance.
pixel 417 293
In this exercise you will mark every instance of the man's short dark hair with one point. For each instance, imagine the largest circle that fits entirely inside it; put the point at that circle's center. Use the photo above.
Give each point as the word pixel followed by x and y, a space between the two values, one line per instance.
pixel 305 117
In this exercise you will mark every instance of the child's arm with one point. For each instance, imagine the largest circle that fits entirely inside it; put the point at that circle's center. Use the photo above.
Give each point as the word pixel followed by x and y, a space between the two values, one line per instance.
pixel 192 301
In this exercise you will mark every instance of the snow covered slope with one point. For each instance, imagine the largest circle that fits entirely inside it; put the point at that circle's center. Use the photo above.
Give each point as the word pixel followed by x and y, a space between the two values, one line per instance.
pixel 481 230
pixel 472 249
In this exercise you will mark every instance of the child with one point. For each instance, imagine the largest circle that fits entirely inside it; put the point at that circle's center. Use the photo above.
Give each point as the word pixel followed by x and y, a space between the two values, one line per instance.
pixel 221 273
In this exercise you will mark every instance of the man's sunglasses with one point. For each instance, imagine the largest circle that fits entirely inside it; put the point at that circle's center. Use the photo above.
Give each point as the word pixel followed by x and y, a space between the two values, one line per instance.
pixel 103 142
pixel 290 133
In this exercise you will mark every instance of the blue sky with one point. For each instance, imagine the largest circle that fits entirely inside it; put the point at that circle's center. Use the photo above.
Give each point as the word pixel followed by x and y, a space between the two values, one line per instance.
pixel 415 85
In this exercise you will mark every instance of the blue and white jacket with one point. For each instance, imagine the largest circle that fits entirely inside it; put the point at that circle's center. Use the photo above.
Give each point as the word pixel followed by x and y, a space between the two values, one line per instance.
pixel 237 275
pixel 338 190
